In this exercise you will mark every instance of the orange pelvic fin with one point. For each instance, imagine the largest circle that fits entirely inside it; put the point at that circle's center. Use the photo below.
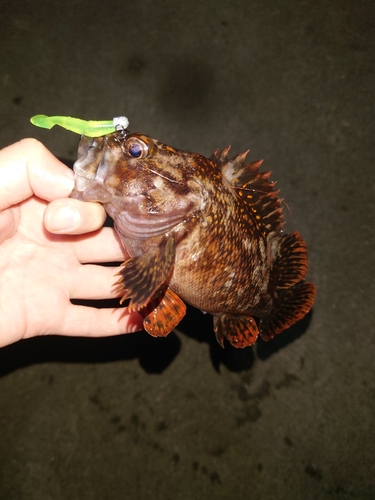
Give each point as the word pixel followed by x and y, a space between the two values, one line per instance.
pixel 163 314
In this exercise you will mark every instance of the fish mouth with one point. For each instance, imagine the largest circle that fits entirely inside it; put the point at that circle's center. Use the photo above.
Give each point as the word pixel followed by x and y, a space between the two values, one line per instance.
pixel 86 189
pixel 81 182
pixel 86 185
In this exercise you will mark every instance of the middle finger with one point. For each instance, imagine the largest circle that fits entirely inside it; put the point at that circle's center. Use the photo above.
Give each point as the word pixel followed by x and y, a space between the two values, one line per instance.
pixel 94 282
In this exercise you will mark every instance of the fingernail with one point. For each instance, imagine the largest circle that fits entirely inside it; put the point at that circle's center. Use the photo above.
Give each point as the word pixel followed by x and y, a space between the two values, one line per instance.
pixel 62 219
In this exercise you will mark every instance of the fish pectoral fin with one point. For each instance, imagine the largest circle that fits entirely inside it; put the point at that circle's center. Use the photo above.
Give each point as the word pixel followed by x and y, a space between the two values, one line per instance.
pixel 240 331
pixel 291 306
pixel 163 314
pixel 144 276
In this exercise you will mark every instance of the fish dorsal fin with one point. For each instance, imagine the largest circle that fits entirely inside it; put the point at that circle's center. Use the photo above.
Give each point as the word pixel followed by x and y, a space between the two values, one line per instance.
pixel 253 187
pixel 220 157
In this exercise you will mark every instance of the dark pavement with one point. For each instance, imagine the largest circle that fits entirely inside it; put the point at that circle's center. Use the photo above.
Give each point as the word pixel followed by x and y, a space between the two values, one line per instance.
pixel 134 417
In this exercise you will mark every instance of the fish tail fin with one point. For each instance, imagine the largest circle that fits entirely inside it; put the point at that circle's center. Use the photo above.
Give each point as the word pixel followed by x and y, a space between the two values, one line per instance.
pixel 291 306
pixel 295 297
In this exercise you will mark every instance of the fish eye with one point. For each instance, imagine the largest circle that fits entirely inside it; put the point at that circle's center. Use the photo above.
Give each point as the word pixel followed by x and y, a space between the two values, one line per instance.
pixel 136 148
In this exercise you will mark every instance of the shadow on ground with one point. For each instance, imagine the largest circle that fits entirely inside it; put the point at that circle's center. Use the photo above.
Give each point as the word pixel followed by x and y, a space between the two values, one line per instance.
pixel 154 354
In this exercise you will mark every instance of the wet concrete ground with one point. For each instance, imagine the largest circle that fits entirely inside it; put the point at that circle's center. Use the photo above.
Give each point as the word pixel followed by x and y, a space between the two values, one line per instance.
pixel 135 417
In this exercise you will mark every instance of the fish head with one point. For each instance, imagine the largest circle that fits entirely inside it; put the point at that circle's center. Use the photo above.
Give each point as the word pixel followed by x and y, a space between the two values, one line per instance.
pixel 147 187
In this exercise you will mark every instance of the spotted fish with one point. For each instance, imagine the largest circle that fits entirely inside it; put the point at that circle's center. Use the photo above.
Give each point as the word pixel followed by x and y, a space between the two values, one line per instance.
pixel 205 231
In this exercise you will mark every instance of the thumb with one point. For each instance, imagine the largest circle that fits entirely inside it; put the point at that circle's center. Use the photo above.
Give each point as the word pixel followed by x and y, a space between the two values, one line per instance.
pixel 70 216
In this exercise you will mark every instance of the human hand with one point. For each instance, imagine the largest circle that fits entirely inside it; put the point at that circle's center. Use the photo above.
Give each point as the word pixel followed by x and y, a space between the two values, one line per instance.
pixel 39 271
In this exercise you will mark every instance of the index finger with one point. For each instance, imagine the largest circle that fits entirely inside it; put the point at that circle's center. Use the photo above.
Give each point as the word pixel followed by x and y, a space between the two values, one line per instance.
pixel 28 168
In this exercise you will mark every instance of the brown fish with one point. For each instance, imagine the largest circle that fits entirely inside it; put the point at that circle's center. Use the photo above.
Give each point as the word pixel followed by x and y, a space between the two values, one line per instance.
pixel 205 230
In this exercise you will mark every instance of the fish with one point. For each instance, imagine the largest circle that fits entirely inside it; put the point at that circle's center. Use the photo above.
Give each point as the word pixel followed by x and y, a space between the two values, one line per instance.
pixel 203 231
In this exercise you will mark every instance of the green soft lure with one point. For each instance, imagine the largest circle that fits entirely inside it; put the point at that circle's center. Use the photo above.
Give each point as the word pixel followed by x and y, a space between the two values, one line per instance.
pixel 90 128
